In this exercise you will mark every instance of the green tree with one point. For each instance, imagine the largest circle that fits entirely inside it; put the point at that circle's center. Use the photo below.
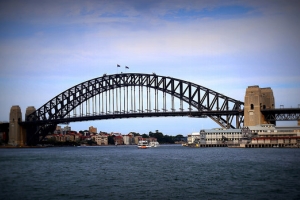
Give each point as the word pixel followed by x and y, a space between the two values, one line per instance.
pixel 135 134
pixel 91 142
pixel 111 140
pixel 178 137
pixel 158 135
pixel 168 139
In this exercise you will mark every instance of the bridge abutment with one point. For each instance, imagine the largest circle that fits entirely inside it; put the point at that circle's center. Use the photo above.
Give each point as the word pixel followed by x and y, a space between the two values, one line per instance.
pixel 257 99
pixel 16 131
pixel 31 138
pixel 19 135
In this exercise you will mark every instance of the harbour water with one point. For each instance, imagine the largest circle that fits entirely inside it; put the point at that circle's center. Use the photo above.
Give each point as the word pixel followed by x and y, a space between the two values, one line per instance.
pixel 165 172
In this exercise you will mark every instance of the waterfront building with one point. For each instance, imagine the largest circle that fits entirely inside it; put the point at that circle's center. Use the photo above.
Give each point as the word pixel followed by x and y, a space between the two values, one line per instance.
pixel 193 138
pixel 115 134
pixel 119 140
pixel 137 139
pixel 60 138
pixel 62 130
pixel 58 130
pixel 269 134
pixel 264 135
pixel 128 139
pixel 92 129
pixel 3 136
pixel 86 133
pixel 100 139
pixel 72 136
pixel 220 136
pixel 66 129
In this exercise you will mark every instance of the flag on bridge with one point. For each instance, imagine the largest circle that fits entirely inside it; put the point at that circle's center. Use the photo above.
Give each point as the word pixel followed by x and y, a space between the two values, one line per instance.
pixel 126 67
pixel 118 65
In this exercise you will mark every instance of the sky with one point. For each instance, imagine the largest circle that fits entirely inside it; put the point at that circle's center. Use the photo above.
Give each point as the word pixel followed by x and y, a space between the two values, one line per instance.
pixel 47 47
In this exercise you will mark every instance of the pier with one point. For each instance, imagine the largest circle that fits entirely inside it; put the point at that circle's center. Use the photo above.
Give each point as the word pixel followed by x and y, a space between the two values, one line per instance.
pixel 244 145
pixel 206 145
pixel 264 146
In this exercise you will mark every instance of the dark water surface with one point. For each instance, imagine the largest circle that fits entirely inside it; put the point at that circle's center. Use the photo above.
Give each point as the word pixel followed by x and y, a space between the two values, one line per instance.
pixel 166 172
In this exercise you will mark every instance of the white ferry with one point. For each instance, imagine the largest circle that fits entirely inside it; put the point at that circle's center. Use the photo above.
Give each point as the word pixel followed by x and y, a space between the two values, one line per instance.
pixel 143 144
pixel 154 144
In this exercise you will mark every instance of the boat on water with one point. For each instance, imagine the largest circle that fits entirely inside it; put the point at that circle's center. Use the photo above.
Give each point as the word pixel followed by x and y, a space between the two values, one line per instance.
pixel 154 144
pixel 143 144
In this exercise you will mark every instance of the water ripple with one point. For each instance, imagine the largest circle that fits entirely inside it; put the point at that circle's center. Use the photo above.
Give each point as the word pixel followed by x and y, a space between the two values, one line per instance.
pixel 167 172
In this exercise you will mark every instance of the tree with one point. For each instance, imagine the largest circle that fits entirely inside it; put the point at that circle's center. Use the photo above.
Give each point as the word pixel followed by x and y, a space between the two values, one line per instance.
pixel 111 140
pixel 169 139
pixel 135 134
pixel 91 142
pixel 151 134
pixel 158 135
pixel 178 137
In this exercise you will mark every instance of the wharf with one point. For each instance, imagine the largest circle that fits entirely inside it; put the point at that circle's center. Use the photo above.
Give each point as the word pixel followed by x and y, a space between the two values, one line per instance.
pixel 206 145
pixel 244 145
pixel 264 145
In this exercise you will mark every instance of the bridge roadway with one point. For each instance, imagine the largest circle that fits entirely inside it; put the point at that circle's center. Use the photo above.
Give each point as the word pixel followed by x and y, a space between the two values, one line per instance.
pixel 136 114
pixel 278 114
pixel 282 114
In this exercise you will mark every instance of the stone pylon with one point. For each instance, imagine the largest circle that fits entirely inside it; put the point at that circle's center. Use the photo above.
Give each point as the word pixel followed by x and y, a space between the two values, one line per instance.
pixel 30 129
pixel 16 133
pixel 257 99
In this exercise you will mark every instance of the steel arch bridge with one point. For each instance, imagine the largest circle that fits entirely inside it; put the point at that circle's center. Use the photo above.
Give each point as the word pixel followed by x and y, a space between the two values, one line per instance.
pixel 128 95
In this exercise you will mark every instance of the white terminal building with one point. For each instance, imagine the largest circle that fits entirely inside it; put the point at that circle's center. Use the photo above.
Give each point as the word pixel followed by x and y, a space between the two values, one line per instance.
pixel 264 135
pixel 215 136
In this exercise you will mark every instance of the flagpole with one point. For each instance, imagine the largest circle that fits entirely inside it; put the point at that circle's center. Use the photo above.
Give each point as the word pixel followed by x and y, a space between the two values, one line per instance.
pixel 118 68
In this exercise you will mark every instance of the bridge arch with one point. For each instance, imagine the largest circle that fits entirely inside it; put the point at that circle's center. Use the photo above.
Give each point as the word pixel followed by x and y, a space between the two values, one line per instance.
pixel 200 100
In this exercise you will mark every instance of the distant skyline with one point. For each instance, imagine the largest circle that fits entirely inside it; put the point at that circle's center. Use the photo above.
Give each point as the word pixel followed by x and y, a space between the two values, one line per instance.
pixel 47 47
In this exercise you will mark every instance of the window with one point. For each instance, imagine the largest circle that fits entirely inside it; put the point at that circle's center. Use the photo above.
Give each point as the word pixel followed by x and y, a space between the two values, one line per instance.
pixel 251 106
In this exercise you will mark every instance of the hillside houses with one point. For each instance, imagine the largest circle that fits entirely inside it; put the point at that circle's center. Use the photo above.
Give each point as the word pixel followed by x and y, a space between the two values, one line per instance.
pixel 91 137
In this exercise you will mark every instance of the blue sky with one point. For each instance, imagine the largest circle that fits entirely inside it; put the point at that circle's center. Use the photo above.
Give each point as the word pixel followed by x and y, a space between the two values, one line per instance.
pixel 47 47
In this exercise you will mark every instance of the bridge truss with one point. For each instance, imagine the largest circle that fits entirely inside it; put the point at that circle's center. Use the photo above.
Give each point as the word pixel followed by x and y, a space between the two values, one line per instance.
pixel 281 114
pixel 129 95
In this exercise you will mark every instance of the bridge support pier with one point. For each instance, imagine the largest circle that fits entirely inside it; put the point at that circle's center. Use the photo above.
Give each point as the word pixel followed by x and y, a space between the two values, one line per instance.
pixel 31 137
pixel 17 133
pixel 257 99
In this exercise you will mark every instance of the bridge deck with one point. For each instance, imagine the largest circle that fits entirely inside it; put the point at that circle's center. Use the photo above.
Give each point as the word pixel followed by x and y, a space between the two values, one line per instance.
pixel 282 114
pixel 201 114
pixel 281 111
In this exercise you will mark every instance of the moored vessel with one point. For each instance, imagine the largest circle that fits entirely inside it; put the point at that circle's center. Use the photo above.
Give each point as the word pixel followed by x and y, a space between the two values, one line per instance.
pixel 154 144
pixel 143 144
